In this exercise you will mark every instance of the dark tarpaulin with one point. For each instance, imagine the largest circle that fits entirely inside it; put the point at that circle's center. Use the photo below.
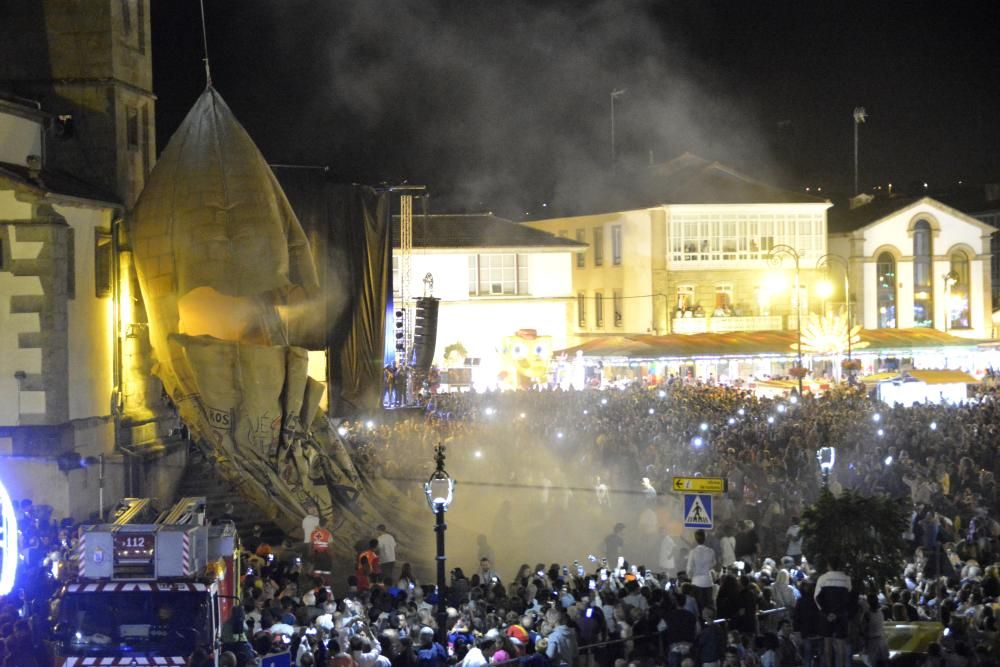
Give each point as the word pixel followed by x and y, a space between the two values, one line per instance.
pixel 347 226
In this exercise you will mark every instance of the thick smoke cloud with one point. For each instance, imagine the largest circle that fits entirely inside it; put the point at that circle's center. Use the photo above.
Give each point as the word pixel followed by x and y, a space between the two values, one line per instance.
pixel 501 106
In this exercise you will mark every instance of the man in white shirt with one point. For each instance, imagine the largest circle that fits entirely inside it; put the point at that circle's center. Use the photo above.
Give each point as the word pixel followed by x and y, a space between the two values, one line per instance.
pixel 700 562
pixel 386 553
pixel 667 557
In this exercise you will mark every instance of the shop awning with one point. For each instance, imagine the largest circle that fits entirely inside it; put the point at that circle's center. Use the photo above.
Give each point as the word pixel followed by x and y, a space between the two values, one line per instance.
pixel 751 344
pixel 945 376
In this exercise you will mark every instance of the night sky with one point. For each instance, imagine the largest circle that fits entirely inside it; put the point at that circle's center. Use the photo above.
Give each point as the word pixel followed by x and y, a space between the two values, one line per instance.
pixel 504 105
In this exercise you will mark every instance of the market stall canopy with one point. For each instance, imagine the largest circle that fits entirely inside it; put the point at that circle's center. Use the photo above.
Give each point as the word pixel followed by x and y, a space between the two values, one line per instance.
pixel 926 376
pixel 922 386
pixel 742 344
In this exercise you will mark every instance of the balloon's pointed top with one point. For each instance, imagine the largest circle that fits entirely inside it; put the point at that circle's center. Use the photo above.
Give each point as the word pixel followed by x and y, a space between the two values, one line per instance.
pixel 229 223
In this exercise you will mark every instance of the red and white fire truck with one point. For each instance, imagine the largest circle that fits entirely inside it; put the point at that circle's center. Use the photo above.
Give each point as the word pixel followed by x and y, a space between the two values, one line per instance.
pixel 149 589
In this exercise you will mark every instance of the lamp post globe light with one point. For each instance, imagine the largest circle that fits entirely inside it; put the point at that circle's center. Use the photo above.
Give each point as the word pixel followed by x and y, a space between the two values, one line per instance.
pixel 775 256
pixel 826 457
pixel 828 260
pixel 440 490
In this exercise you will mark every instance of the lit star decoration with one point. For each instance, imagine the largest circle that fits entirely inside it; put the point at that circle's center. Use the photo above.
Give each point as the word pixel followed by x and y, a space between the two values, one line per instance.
pixel 829 335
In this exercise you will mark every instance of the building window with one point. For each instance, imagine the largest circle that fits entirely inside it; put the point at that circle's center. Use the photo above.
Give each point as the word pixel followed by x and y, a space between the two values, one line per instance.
pixel 581 310
pixel 599 309
pixel 923 282
pixel 598 246
pixel 958 292
pixel 127 17
pixel 616 303
pixel 145 142
pixel 498 275
pixel 685 298
pixel 723 299
pixel 616 245
pixel 581 257
pixel 132 127
pixel 102 265
pixel 722 238
pixel 140 23
pixel 886 276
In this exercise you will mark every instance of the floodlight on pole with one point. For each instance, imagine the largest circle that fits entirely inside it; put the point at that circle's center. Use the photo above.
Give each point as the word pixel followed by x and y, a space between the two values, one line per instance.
pixel 615 94
pixel 775 256
pixel 826 261
pixel 859 117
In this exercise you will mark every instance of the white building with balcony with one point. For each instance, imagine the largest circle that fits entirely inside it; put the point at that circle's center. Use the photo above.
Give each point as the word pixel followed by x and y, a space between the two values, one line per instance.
pixel 494 278
pixel 699 251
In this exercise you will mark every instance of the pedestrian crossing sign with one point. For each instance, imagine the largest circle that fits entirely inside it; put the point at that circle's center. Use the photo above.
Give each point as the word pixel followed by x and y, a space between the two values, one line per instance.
pixel 697 510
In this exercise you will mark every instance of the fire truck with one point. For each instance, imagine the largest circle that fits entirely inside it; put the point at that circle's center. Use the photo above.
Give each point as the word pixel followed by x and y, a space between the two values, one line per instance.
pixel 150 587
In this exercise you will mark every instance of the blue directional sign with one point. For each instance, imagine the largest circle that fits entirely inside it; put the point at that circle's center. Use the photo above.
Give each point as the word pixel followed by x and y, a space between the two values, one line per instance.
pixel 697 510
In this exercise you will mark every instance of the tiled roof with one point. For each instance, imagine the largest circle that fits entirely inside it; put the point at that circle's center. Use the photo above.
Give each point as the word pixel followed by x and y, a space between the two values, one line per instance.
pixel 478 231
pixel 56 183
pixel 751 343
pixel 842 218
pixel 690 179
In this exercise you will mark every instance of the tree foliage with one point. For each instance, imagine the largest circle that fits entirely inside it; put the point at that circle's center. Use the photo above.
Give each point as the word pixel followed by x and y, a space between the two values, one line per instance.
pixel 866 532
pixel 456 350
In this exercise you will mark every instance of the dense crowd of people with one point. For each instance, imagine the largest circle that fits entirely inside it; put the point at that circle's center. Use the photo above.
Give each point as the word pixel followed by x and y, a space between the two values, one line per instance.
pixel 643 590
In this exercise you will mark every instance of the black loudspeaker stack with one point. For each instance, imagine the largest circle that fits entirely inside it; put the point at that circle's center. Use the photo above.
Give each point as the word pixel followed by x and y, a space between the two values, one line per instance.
pixel 425 332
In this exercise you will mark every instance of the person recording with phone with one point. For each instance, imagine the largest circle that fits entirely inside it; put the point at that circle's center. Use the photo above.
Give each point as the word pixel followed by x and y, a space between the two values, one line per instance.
pixel 364 645
pixel 700 562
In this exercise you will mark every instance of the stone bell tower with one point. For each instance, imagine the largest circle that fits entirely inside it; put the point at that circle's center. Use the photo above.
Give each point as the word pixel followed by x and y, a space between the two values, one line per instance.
pixel 89 63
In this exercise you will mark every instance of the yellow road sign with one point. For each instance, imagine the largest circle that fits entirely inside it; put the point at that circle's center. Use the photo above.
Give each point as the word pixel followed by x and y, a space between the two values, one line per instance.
pixel 700 484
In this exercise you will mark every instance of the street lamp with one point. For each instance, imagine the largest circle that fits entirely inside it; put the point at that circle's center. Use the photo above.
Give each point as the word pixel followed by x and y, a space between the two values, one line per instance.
pixel 775 257
pixel 859 117
pixel 440 489
pixel 615 94
pixel 826 261
pixel 950 280
pixel 826 457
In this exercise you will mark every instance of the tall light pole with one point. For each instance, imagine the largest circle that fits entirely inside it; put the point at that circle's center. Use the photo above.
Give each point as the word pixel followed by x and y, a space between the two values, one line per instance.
pixel 826 261
pixel 440 489
pixel 615 94
pixel 826 456
pixel 775 257
pixel 859 117
pixel 950 280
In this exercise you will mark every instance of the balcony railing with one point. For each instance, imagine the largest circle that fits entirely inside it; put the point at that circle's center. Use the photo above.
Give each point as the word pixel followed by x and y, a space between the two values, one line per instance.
pixel 723 324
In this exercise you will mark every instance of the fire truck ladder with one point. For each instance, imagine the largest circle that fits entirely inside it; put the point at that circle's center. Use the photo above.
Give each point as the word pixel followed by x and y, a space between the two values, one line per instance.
pixel 131 510
pixel 189 510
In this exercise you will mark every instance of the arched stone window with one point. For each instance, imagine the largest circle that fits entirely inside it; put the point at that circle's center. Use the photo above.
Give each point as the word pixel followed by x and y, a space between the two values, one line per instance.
pixel 958 291
pixel 923 281
pixel 886 271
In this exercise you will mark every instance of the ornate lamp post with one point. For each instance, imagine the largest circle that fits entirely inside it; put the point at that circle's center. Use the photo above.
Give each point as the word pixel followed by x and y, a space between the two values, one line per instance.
pixel 775 257
pixel 440 489
pixel 826 261
pixel 826 457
